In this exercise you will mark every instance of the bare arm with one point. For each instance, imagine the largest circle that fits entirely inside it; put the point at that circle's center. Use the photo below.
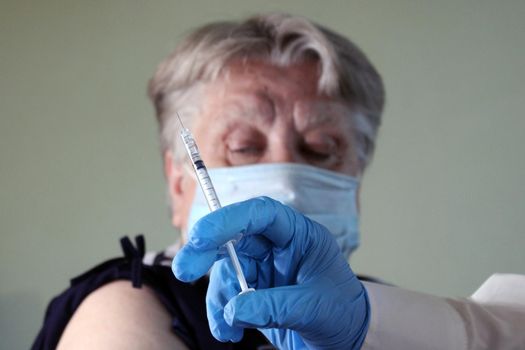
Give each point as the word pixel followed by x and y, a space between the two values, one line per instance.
pixel 118 316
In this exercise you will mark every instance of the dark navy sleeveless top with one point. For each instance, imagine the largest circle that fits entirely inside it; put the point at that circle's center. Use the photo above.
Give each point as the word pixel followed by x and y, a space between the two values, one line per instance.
pixel 185 302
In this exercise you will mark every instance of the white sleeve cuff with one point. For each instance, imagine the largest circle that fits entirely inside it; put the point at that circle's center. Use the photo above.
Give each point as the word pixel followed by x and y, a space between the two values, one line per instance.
pixel 405 320
pixel 493 318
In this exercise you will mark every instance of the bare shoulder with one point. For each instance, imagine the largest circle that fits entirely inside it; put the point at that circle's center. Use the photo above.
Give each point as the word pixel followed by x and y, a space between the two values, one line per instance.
pixel 118 316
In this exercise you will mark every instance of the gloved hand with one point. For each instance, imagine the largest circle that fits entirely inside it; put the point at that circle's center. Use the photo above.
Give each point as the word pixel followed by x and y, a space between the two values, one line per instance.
pixel 306 294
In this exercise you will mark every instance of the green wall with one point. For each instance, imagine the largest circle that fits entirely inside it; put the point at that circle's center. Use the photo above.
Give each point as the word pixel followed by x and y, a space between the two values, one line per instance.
pixel 443 203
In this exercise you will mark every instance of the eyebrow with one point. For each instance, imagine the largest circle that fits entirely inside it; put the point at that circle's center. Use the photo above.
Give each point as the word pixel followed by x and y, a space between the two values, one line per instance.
pixel 256 107
pixel 320 118
pixel 321 113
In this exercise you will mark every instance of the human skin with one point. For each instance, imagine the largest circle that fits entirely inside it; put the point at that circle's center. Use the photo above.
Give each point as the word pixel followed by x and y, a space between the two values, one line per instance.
pixel 108 319
pixel 257 112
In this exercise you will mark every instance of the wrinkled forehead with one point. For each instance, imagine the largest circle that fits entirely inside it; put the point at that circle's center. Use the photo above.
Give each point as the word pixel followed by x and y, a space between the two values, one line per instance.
pixel 262 89
pixel 295 78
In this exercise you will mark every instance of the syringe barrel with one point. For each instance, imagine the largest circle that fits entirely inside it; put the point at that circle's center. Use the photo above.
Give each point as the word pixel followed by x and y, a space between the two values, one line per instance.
pixel 200 170
pixel 211 198
pixel 191 146
pixel 207 188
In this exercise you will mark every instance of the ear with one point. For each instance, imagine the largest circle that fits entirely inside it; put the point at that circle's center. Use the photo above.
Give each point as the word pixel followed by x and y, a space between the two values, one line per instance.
pixel 174 177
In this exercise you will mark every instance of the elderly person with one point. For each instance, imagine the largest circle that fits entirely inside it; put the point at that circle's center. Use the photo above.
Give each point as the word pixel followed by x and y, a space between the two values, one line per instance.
pixel 287 109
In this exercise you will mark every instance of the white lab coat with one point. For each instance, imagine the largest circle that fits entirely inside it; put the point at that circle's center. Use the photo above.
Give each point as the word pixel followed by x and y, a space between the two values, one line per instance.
pixel 492 318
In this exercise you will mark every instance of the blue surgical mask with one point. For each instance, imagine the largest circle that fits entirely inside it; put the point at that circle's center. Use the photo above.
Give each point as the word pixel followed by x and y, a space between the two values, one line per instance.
pixel 324 196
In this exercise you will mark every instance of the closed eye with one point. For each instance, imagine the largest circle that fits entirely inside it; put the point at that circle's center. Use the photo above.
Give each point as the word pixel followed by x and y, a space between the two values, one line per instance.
pixel 325 153
pixel 244 155
pixel 249 150
pixel 315 154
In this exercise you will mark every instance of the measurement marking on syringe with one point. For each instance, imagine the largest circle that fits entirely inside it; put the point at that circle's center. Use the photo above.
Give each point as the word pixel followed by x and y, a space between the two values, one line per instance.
pixel 211 196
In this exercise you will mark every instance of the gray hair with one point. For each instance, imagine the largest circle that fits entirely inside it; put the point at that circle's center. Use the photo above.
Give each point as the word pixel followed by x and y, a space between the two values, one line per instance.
pixel 281 39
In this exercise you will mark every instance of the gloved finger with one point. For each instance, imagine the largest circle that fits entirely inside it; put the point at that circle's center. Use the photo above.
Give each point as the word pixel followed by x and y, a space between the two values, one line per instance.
pixel 259 215
pixel 262 215
pixel 224 286
pixel 189 265
pixel 255 246
pixel 290 307
pixel 284 339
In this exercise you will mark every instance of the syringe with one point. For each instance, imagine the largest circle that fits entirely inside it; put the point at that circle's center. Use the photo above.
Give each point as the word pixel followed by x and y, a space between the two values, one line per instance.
pixel 211 196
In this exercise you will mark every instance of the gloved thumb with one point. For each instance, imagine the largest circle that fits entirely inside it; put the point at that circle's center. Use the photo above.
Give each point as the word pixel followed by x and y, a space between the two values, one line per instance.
pixel 287 307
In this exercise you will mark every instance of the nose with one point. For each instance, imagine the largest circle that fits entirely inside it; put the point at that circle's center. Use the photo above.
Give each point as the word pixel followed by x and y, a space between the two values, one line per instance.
pixel 283 150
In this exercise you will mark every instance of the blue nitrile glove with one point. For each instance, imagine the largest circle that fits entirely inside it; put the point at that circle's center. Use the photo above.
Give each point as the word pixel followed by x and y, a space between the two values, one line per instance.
pixel 306 294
